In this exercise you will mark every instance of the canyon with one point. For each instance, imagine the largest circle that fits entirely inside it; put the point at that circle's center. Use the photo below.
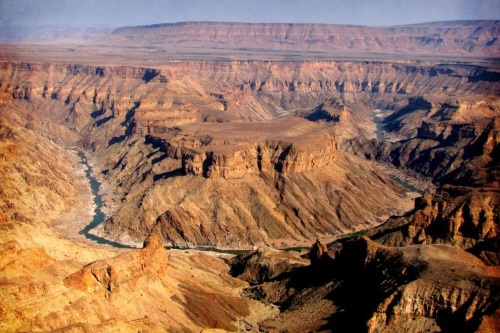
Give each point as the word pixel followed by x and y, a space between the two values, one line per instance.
pixel 252 137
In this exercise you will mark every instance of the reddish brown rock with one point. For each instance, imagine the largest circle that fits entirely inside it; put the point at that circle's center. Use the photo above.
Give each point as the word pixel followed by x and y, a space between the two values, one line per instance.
pixel 109 274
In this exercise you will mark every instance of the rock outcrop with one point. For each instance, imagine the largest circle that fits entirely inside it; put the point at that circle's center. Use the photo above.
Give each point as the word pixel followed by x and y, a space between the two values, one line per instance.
pixel 111 274
pixel 233 150
pixel 317 252
pixel 370 287
pixel 461 216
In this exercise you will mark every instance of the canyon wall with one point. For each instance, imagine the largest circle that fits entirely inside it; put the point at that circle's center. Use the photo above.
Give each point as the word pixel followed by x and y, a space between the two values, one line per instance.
pixel 240 154
pixel 194 126
pixel 360 285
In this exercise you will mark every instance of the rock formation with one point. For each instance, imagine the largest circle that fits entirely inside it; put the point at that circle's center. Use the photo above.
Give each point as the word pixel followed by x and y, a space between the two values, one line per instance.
pixel 370 287
pixel 264 265
pixel 461 216
pixel 318 250
pixel 445 38
pixel 125 269
pixel 257 149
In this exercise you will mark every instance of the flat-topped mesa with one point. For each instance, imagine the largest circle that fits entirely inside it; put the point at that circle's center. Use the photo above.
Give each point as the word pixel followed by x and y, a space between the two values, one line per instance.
pixel 455 37
pixel 282 157
pixel 233 150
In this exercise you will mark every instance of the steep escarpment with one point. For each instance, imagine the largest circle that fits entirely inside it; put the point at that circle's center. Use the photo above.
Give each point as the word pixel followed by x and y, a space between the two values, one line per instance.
pixel 247 90
pixel 447 38
pixel 232 150
pixel 363 286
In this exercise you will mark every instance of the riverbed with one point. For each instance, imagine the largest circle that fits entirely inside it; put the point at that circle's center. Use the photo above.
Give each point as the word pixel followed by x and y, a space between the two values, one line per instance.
pixel 98 217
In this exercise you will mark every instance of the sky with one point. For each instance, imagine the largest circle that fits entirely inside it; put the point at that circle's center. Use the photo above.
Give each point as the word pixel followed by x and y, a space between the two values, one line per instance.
pixel 116 13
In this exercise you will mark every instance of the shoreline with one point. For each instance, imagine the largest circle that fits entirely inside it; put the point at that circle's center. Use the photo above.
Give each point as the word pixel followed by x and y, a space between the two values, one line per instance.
pixel 78 224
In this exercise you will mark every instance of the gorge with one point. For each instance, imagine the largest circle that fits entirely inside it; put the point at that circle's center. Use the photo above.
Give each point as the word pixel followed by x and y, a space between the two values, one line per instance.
pixel 255 137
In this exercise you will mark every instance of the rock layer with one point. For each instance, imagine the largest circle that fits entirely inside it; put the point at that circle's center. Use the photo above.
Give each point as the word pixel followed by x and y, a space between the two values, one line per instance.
pixel 447 38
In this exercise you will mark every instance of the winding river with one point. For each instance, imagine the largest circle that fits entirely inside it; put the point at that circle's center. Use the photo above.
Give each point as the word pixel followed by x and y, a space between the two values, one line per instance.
pixel 99 216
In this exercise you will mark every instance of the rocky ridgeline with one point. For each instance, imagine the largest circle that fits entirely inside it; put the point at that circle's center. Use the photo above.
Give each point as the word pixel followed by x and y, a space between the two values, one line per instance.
pixel 378 288
pixel 106 276
pixel 457 38
pixel 230 81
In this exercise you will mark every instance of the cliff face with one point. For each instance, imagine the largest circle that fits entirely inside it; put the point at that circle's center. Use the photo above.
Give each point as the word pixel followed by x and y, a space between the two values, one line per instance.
pixel 461 216
pixel 364 286
pixel 285 146
pixel 268 207
pixel 247 90
pixel 464 38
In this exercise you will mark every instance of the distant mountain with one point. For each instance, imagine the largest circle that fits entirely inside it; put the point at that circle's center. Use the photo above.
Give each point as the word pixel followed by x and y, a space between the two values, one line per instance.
pixel 457 38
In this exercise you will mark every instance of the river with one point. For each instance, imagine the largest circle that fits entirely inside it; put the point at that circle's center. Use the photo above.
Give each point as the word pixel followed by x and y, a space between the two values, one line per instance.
pixel 378 119
pixel 98 216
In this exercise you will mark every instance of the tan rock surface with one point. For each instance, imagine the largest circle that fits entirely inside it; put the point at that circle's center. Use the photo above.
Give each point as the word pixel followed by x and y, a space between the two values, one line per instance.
pixel 49 282
pixel 207 153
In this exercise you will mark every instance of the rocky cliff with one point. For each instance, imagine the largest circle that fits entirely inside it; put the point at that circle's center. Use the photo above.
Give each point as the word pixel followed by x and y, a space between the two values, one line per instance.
pixel 461 216
pixel 364 286
pixel 233 150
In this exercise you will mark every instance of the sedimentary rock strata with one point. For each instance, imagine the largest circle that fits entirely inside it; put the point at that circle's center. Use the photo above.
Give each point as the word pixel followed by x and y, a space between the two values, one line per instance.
pixel 245 148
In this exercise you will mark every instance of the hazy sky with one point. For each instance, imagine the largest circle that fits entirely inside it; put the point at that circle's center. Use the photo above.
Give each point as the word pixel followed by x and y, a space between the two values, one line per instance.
pixel 139 12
